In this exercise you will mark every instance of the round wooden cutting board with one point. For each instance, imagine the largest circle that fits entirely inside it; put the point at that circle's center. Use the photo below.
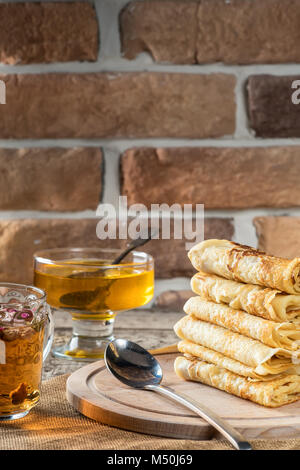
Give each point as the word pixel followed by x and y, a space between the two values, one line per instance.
pixel 94 392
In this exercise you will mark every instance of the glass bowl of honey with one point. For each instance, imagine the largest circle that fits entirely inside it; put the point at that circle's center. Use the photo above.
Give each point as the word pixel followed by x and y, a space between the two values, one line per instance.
pixel 84 282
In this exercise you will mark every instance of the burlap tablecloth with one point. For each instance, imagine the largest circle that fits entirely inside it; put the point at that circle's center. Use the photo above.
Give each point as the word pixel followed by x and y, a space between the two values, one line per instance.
pixel 55 425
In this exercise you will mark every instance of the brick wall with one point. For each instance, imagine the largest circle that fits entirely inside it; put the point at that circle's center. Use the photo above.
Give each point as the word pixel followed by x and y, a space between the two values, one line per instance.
pixel 160 100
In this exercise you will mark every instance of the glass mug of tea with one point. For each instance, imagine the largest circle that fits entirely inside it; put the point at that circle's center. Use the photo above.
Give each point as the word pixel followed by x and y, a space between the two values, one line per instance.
pixel 26 335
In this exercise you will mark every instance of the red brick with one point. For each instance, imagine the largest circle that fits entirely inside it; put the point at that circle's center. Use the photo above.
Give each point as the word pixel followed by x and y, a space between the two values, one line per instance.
pixel 170 256
pixel 167 30
pixel 248 32
pixel 20 239
pixel 279 236
pixel 272 112
pixel 48 32
pixel 219 177
pixel 235 32
pixel 50 179
pixel 118 105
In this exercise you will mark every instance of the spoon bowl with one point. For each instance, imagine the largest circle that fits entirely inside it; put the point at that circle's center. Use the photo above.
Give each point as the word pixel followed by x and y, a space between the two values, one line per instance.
pixel 132 364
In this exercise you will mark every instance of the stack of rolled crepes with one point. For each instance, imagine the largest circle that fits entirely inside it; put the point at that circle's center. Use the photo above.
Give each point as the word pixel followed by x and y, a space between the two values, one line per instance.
pixel 241 333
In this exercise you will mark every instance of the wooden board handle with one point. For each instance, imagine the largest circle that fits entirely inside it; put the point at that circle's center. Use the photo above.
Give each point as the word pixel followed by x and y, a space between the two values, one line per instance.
pixel 171 348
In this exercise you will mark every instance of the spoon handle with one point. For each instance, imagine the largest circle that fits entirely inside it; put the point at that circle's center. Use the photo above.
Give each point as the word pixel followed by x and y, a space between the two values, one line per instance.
pixel 134 244
pixel 222 426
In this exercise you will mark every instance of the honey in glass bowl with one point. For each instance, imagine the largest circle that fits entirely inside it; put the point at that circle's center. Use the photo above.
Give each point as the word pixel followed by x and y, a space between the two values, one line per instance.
pixel 113 289
pixel 86 284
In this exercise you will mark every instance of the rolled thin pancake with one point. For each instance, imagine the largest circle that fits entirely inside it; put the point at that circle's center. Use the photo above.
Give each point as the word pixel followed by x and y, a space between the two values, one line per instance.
pixel 270 304
pixel 261 358
pixel 208 355
pixel 245 264
pixel 276 392
pixel 277 335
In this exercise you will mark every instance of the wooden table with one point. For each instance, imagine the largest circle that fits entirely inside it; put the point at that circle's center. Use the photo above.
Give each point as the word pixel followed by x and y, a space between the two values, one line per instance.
pixel 151 328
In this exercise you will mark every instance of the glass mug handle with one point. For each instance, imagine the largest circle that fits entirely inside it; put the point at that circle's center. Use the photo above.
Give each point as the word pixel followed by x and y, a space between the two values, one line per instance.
pixel 50 335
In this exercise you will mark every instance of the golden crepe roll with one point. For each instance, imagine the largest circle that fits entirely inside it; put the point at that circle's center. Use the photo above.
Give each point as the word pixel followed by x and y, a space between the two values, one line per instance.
pixel 277 335
pixel 270 304
pixel 263 359
pixel 274 393
pixel 244 264
pixel 202 353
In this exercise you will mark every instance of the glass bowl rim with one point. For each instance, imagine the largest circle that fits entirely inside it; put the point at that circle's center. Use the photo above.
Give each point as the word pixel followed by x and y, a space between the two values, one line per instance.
pixel 41 259
pixel 16 286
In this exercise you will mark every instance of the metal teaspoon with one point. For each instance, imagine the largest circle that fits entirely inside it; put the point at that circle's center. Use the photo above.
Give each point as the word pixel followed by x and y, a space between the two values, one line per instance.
pixel 136 367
